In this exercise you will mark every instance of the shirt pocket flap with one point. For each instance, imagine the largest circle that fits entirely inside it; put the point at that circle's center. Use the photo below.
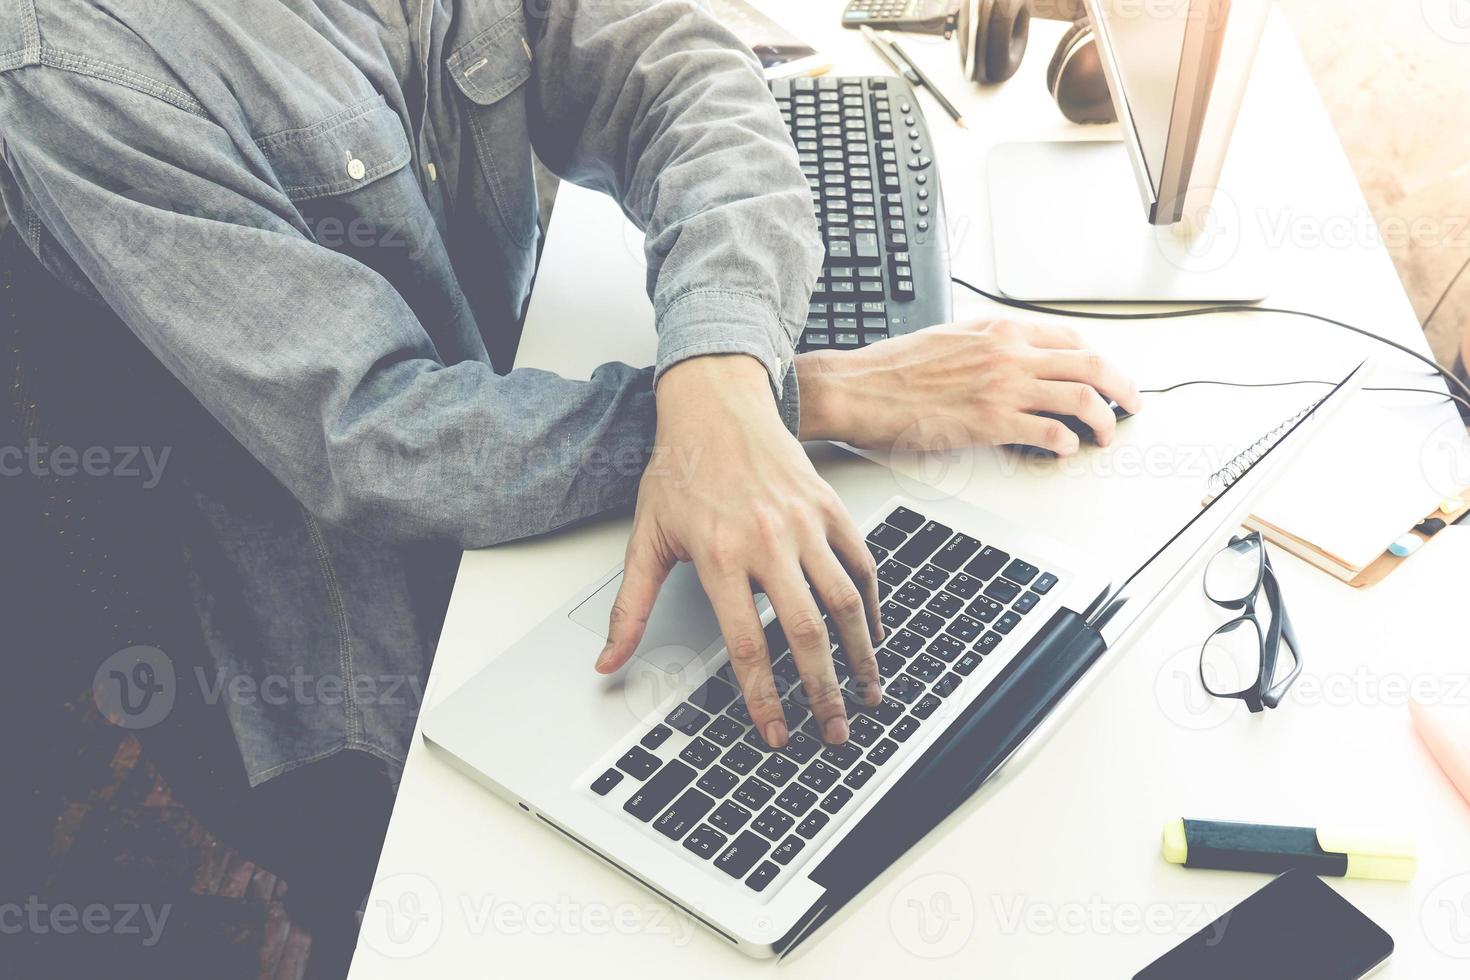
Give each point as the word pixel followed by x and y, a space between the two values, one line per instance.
pixel 493 63
pixel 345 151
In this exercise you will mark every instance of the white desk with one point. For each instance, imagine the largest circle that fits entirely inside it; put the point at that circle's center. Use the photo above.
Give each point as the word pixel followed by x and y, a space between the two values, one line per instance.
pixel 1057 873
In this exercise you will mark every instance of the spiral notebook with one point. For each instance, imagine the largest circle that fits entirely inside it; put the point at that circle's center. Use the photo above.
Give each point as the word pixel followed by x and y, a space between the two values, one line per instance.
pixel 1389 463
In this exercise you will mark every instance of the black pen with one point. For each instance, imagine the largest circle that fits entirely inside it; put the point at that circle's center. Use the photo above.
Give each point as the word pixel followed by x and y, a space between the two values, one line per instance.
pixel 883 48
pixel 928 83
pixel 906 67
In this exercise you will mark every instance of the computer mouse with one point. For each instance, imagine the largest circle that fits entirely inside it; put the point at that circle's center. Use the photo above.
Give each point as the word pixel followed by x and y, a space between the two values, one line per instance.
pixel 1083 430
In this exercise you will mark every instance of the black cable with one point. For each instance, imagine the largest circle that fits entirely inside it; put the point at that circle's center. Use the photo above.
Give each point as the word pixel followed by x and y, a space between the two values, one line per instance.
pixel 1449 378
pixel 1447 290
pixel 1283 384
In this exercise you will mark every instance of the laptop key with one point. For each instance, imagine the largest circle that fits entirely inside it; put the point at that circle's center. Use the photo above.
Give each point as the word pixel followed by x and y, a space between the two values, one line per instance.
pixel 890 663
pixel 776 770
pixel 906 726
pixel 638 763
pixel 863 730
pixel 948 684
pixel 1007 622
pixel 945 605
pixel 687 719
pixel 859 776
pixel 790 847
pixel 967 664
pixel 988 643
pixel 686 812
pixel 772 823
pixel 886 537
pixel 925 623
pixel 718 781
pixel 912 595
pixel 923 543
pixel 905 688
pixel 836 799
pixel 604 783
pixel 700 753
pixel 1044 583
pixel 1026 602
pixel 713 695
pixel 931 576
pixel 956 551
pixel 820 776
pixel 724 730
pixel 965 629
pixel 944 647
pixel 893 615
pixel 926 668
pixel 800 747
pixel 656 736
pixel 842 755
pixel 987 562
pixel 763 876
pixel 741 759
pixel 1021 571
pixel 659 791
pixel 741 855
pixel 964 586
pixel 754 793
pixel 893 573
pixel 904 643
pixel 906 520
pixel 705 841
pixel 730 817
pixel 883 751
pixel 984 609
pixel 813 824
pixel 1002 591
pixel 927 705
pixel 796 800
pixel 739 712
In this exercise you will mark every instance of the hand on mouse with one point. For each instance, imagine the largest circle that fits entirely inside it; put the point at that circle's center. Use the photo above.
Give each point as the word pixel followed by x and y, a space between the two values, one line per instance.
pixel 986 379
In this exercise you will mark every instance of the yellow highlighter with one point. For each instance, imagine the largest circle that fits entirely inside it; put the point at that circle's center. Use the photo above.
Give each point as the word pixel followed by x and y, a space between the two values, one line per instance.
pixel 1227 845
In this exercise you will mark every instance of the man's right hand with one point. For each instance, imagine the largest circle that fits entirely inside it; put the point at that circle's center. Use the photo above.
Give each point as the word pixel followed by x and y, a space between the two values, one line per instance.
pixel 755 516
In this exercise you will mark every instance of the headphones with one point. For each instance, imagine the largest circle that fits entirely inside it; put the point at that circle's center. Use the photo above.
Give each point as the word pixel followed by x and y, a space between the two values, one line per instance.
pixel 993 34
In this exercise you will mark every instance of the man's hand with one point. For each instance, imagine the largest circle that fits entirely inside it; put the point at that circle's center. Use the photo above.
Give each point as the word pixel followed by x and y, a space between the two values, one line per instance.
pixel 754 517
pixel 989 376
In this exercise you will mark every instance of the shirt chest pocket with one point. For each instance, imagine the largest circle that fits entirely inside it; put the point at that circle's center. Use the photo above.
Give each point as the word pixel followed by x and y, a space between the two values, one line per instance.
pixel 490 70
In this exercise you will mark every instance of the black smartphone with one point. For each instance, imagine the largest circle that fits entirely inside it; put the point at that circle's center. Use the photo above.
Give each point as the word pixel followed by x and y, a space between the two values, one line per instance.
pixel 1295 927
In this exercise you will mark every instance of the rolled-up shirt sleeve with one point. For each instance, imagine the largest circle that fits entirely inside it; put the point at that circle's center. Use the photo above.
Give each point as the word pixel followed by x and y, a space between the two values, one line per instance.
pixel 310 359
pixel 659 105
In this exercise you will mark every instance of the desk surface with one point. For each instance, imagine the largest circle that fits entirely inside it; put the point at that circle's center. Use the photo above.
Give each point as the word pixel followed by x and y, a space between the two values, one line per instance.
pixel 1057 871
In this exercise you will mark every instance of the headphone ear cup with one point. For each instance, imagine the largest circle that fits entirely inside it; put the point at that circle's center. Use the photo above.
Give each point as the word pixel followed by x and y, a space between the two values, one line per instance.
pixel 992 36
pixel 1075 77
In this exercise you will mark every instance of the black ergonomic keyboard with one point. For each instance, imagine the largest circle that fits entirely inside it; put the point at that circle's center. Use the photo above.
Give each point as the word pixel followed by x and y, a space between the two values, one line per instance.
pixel 704 777
pixel 865 149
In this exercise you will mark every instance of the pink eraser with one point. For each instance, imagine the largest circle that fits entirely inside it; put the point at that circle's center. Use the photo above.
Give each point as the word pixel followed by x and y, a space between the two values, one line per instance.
pixel 1451 749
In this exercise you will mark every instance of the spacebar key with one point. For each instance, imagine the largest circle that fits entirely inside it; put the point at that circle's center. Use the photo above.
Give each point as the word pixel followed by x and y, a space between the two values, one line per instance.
pixel 655 794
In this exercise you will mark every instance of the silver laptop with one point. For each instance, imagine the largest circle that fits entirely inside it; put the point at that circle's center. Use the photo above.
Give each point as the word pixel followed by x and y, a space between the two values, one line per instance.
pixel 658 771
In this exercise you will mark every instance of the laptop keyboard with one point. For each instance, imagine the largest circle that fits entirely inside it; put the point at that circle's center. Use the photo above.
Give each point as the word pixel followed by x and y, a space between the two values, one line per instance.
pixel 705 778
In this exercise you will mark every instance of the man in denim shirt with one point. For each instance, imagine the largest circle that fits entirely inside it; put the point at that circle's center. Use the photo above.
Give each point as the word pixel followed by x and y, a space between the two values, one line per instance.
pixel 320 216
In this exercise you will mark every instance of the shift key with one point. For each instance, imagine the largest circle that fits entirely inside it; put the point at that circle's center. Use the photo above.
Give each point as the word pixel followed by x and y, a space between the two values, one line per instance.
pixel 741 856
pixel 655 794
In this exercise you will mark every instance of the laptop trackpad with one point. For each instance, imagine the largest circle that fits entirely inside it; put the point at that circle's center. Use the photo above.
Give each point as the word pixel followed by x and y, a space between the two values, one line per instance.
pixel 681 626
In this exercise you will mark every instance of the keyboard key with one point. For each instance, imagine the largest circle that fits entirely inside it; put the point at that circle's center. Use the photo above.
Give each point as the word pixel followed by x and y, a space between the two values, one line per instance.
pixel 925 623
pixel 686 812
pixel 965 629
pixel 926 668
pixel 879 554
pixel 754 794
pixel 656 736
pixel 687 719
pixel 1007 622
pixel 956 551
pixel 712 695
pixel 893 615
pixel 889 663
pixel 705 841
pixel 1044 583
pixel 842 755
pixel 796 800
pixel 984 609
pixel 776 770
pixel 886 537
pixel 741 758
pixel 741 855
pixel 638 763
pixel 1002 591
pixel 967 664
pixel 912 595
pixel 790 847
pixel 1021 571
pixel 927 705
pixel 801 747
pixel 944 605
pixel 718 781
pixel 987 643
pixel 820 776
pixel 947 685
pixel 772 823
pixel 931 576
pixel 730 817
pixel 924 543
pixel 1025 602
pixel 945 647
pixel 738 711
pixel 859 776
pixel 987 563
pixel 700 753
pixel 606 782
pixel 964 586
pixel 892 572
pixel 724 730
pixel 836 799
pixel 882 752
pixel 762 876
pixel 904 643
pixel 659 791
pixel 905 688
pixel 813 824
pixel 906 520
pixel 906 726
pixel 863 730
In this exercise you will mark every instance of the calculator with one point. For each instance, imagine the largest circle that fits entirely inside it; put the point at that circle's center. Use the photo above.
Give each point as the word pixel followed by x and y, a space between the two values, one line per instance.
pixel 914 16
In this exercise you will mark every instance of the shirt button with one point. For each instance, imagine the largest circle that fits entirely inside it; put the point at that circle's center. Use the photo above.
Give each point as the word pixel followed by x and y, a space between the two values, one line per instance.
pixel 356 169
pixel 433 173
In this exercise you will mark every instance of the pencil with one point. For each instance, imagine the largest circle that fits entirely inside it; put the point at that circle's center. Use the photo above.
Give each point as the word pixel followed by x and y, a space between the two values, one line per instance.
pixel 882 47
pixel 928 83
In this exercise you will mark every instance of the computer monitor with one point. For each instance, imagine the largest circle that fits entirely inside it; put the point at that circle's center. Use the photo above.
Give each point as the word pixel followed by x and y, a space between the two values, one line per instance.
pixel 1065 219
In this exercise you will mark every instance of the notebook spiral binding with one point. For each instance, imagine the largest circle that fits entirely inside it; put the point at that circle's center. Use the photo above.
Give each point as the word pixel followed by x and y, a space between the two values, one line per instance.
pixel 1221 480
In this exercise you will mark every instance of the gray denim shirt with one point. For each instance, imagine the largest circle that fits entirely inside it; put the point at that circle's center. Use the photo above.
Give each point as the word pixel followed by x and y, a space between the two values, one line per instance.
pixel 320 216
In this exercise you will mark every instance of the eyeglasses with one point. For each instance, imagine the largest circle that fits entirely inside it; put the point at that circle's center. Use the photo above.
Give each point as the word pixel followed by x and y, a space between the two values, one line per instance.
pixel 1242 658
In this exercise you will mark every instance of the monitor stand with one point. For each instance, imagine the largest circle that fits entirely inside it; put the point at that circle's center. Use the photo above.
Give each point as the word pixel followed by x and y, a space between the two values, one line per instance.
pixel 1067 225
